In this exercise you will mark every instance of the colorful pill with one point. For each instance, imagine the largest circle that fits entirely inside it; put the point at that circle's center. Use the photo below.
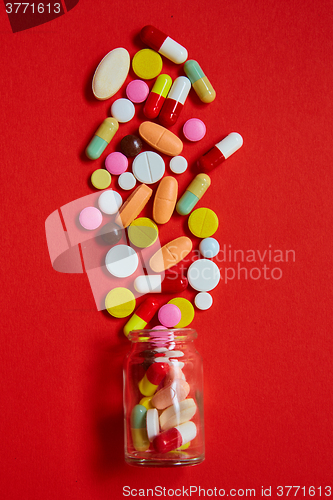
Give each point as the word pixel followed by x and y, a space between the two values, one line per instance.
pixel 165 200
pixel 155 283
pixel 157 96
pixel 169 315
pixel 176 415
pixel 142 316
pixel 160 138
pixel 145 401
pixel 133 205
pixel 172 394
pixel 175 437
pixel 170 254
pixel 220 152
pixel 175 101
pixel 200 82
pixel 153 426
pixel 152 379
pixel 138 428
pixel 163 44
pixel 193 194
pixel 102 138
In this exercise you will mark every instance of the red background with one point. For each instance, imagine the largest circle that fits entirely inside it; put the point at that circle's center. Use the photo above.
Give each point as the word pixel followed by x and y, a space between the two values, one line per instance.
pixel 266 344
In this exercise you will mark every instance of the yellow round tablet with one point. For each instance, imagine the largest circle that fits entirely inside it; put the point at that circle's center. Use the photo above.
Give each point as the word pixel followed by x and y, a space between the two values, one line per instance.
pixel 101 178
pixel 147 64
pixel 142 232
pixel 186 309
pixel 120 302
pixel 203 222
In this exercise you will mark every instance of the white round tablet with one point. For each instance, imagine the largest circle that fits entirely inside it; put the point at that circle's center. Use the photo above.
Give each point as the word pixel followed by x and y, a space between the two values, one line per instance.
pixel 203 301
pixel 126 181
pixel 152 422
pixel 110 201
pixel 148 167
pixel 209 247
pixel 203 275
pixel 178 164
pixel 121 261
pixel 123 110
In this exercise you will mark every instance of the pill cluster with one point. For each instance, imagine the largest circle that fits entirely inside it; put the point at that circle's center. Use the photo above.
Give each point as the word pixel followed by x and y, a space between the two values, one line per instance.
pixel 164 102
pixel 163 406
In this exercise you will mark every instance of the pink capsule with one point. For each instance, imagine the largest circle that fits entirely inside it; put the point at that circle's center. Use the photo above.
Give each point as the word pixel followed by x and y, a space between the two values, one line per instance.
pixel 175 101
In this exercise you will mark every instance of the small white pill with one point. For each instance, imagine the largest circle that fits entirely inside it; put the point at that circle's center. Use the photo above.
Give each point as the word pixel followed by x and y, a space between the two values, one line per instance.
pixel 178 164
pixel 110 201
pixel 123 110
pixel 126 181
pixel 203 300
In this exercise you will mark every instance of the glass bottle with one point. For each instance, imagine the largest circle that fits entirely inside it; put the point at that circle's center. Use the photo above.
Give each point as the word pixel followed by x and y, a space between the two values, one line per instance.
pixel 163 399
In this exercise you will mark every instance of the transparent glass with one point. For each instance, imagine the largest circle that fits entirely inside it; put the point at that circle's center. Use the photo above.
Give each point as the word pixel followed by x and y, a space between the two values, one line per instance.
pixel 163 399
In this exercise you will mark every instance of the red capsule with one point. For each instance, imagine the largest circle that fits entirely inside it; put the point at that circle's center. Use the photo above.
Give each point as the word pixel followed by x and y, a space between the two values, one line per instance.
pixel 157 96
pixel 142 315
pixel 175 101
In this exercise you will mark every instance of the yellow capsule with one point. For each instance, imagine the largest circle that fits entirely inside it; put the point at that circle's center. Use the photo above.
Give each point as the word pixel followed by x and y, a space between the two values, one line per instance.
pixel 146 402
pixel 200 82
pixel 102 138
pixel 193 193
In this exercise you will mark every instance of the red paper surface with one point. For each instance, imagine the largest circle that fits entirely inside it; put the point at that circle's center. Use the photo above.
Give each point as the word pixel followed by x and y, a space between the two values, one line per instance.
pixel 266 342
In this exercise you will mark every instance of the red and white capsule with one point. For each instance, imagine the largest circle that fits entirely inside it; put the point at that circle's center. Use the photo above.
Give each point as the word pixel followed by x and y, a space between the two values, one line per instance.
pixel 162 43
pixel 175 437
pixel 156 283
pixel 220 152
pixel 175 101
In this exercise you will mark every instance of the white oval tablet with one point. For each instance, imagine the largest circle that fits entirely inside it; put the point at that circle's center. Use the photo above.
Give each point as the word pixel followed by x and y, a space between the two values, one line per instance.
pixel 123 110
pixel 121 261
pixel 203 301
pixel 111 73
pixel 127 181
pixel 110 201
pixel 174 354
pixel 203 275
pixel 152 422
pixel 148 167
pixel 178 164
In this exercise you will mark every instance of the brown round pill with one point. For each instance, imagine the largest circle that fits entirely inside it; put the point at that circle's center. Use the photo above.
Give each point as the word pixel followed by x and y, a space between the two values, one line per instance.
pixel 131 145
pixel 111 233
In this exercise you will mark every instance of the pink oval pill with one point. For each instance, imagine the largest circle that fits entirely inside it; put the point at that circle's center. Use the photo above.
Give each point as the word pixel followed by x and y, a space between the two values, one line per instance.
pixel 137 91
pixel 116 163
pixel 194 129
pixel 169 316
pixel 90 218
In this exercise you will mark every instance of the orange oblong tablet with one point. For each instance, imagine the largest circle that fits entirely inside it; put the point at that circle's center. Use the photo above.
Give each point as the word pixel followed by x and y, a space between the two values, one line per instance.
pixel 161 138
pixel 165 199
pixel 133 205
pixel 170 254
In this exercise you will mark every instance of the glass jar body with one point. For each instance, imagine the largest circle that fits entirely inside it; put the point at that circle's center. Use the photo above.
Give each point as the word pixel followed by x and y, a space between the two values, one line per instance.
pixel 163 399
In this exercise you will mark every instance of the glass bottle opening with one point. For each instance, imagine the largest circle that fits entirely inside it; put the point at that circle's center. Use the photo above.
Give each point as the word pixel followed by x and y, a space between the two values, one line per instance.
pixel 176 334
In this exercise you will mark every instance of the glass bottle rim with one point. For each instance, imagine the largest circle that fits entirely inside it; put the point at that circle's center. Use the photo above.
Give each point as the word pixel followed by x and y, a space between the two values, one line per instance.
pixel 178 334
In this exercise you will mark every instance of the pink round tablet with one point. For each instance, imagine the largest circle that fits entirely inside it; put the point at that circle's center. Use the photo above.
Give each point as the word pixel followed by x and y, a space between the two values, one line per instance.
pixel 194 129
pixel 116 163
pixel 90 218
pixel 169 315
pixel 137 91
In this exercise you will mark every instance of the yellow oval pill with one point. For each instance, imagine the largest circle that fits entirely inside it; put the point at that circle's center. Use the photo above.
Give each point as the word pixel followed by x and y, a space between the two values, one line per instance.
pixel 120 302
pixel 203 222
pixel 142 232
pixel 187 310
pixel 101 178
pixel 147 64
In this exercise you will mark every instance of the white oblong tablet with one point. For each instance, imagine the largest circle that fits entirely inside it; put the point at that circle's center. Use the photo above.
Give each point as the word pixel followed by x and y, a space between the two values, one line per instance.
pixel 121 261
pixel 203 301
pixel 148 167
pixel 178 414
pixel 152 423
pixel 148 283
pixel 126 181
pixel 111 73
pixel 123 110
pixel 203 275
pixel 110 201
pixel 174 354
pixel 178 164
